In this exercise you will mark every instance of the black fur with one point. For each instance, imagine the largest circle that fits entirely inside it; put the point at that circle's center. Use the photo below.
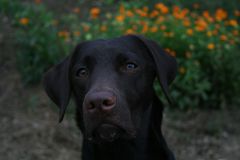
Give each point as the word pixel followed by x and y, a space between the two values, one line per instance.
pixel 118 111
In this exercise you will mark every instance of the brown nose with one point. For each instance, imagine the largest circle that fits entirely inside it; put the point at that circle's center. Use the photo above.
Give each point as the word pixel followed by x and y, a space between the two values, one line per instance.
pixel 104 101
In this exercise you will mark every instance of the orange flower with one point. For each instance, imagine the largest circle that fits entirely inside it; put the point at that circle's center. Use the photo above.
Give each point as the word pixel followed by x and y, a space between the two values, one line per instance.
pixel 167 50
pixel 190 32
pixel 188 55
pixel 186 22
pixel 55 22
pixel 38 1
pixel 162 8
pixel 163 27
pixel 237 13
pixel 121 9
pixel 24 21
pixel 103 28
pixel 134 27
pixel 193 15
pixel 223 37
pixel 145 9
pixel 153 14
pixel 176 9
pixel 207 16
pixel 129 31
pixel 153 29
pixel 201 24
pixel 141 13
pixel 180 14
pixel 170 52
pixel 232 42
pixel 76 10
pixel 77 33
pixel 168 34
pixel 160 19
pixel 220 14
pixel 129 14
pixel 145 28
pixel 185 11
pixel 64 34
pixel 215 32
pixel 209 34
pixel 120 18
pixel 196 5
pixel 94 12
pixel 182 70
pixel 233 23
pixel 235 32
pixel 210 46
pixel 85 27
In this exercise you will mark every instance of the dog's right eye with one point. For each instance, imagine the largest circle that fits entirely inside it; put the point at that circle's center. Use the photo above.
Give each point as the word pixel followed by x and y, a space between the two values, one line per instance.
pixel 82 72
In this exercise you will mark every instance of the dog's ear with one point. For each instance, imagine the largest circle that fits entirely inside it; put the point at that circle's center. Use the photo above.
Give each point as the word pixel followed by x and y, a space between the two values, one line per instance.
pixel 166 65
pixel 57 86
pixel 57 81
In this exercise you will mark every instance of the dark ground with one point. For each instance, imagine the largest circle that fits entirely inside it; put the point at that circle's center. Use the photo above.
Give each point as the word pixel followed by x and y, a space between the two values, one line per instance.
pixel 29 127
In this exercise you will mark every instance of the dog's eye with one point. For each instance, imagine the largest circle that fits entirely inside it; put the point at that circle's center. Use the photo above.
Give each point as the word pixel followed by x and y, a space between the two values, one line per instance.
pixel 82 72
pixel 130 66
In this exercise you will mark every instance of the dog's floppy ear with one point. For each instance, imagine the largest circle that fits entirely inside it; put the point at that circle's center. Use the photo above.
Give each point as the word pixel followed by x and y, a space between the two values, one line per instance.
pixel 57 86
pixel 57 82
pixel 166 65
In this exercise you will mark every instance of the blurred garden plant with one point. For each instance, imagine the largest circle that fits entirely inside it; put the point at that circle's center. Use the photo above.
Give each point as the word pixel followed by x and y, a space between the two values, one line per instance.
pixel 206 44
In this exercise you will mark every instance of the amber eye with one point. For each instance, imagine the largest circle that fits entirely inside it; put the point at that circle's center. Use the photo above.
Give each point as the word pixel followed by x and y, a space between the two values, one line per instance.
pixel 82 72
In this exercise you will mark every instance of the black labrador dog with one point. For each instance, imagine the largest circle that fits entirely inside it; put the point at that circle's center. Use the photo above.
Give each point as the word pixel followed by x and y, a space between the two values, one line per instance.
pixel 118 111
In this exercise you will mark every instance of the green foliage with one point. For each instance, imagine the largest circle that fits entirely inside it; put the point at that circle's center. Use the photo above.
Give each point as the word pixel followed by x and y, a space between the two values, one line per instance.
pixel 38 45
pixel 206 44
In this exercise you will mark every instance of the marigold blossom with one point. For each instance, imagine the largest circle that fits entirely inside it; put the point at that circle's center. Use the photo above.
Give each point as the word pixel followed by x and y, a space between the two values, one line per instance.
pixel 154 29
pixel 129 31
pixel 24 21
pixel 38 1
pixel 95 11
pixel 77 33
pixel 189 32
pixel 220 14
pixel 120 18
pixel 162 8
pixel 182 70
pixel 76 10
pixel 233 22
pixel 201 24
pixel 210 46
pixel 103 28
pixel 223 37
pixel 129 13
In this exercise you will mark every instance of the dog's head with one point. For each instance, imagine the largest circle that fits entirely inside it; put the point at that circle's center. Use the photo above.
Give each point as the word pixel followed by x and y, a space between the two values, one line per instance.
pixel 112 84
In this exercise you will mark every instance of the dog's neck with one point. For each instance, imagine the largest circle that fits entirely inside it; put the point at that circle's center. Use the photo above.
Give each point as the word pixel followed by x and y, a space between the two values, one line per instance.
pixel 148 145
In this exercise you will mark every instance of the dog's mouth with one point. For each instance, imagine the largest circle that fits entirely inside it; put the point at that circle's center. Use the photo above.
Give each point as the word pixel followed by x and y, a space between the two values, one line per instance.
pixel 107 133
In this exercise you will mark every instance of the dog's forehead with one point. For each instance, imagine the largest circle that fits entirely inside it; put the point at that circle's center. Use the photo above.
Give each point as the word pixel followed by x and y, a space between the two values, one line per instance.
pixel 109 48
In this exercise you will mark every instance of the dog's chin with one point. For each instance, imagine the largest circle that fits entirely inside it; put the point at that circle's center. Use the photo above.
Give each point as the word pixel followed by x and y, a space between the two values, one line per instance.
pixel 108 133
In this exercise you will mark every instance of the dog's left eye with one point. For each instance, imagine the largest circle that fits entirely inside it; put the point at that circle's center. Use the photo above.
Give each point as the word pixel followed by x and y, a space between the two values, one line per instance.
pixel 130 66
pixel 82 72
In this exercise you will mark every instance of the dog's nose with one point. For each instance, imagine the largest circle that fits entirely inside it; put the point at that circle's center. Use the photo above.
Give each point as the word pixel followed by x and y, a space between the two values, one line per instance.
pixel 103 100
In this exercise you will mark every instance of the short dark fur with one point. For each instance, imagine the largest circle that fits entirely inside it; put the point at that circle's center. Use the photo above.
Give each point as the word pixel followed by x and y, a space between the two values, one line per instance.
pixel 118 111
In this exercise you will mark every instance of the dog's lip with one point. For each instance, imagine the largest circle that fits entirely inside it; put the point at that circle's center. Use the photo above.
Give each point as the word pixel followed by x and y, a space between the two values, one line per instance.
pixel 120 133
pixel 107 132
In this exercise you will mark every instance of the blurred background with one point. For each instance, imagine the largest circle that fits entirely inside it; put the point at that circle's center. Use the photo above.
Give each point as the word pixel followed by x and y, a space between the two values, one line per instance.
pixel 203 36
